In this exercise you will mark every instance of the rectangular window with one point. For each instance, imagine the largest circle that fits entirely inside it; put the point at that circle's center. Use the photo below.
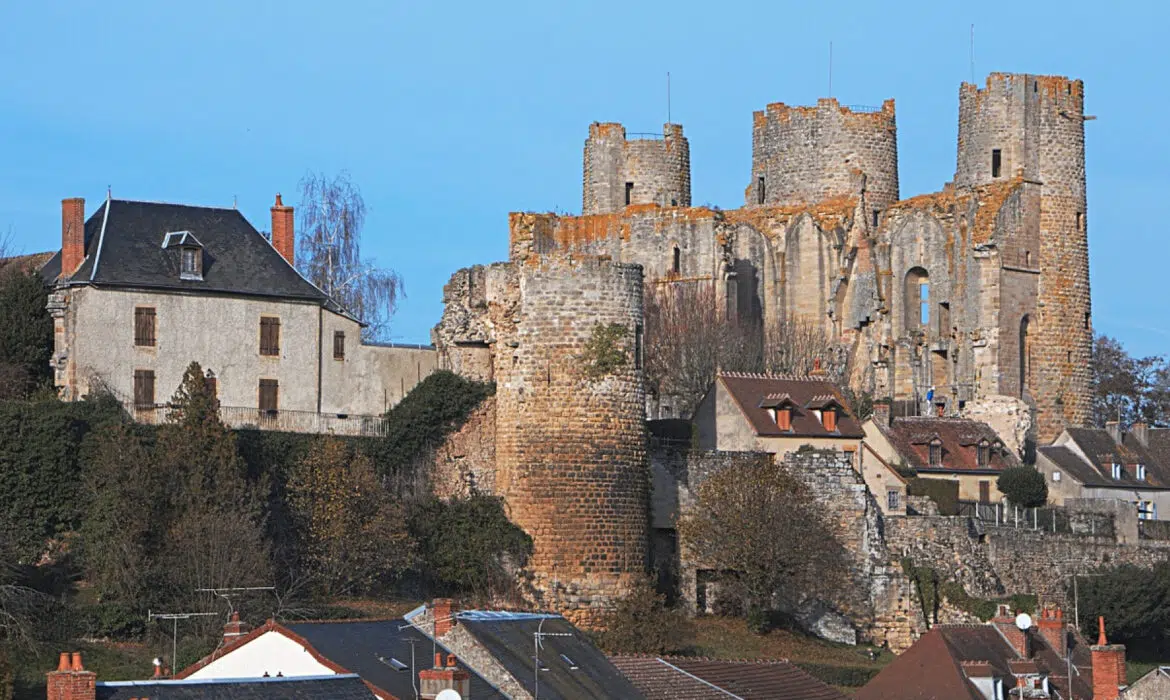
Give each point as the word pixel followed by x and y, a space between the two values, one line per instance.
pixel 892 500
pixel 1056 476
pixel 638 359
pixel 339 345
pixel 269 395
pixel 1080 222
pixel 144 326
pixel 1141 472
pixel 191 267
pixel 760 192
pixel 985 492
pixel 829 419
pixel 143 388
pixel 876 214
pixel 924 304
pixel 1116 471
pixel 629 193
pixel 269 335
pixel 936 454
pixel 996 162
pixel 984 455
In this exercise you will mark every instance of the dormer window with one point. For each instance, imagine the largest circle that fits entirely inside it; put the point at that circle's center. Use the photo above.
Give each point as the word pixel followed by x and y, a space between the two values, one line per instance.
pixel 829 419
pixel 783 418
pixel 983 454
pixel 192 264
pixel 1141 472
pixel 190 253
pixel 936 453
pixel 1116 470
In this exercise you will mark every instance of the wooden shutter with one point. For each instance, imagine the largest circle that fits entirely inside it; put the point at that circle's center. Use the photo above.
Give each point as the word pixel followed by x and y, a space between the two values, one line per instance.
pixel 269 335
pixel 143 388
pixel 339 345
pixel 144 326
pixel 269 394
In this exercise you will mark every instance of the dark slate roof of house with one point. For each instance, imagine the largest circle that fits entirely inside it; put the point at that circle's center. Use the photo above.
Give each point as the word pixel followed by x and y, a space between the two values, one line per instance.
pixel 342 687
pixel 366 647
pixel 682 678
pixel 941 662
pixel 960 437
pixel 1158 445
pixel 753 393
pixel 237 259
pixel 576 669
pixel 1103 452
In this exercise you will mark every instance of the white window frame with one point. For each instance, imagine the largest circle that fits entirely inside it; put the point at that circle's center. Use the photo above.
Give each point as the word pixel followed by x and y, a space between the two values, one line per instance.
pixel 1141 472
pixel 1116 471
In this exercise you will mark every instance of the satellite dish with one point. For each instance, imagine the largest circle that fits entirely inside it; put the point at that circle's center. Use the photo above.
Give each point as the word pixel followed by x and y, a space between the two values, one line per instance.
pixel 1024 621
pixel 449 694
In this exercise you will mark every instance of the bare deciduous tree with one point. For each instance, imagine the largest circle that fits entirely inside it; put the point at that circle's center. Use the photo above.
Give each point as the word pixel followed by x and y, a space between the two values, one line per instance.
pixel 688 340
pixel 332 213
pixel 760 524
pixel 798 346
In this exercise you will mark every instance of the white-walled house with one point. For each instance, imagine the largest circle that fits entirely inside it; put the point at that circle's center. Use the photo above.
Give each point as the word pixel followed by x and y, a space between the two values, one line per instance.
pixel 142 289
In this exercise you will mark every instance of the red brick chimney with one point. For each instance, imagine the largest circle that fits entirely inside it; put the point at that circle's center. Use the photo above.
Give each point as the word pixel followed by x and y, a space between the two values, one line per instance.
pixel 283 238
pixel 72 235
pixel 443 610
pixel 234 629
pixel 71 681
pixel 1006 622
pixel 1108 666
pixel 432 681
pixel 1052 628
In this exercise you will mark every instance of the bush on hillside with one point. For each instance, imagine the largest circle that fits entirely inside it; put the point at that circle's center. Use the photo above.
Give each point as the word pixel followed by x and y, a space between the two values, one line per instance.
pixel 1023 486
pixel 642 623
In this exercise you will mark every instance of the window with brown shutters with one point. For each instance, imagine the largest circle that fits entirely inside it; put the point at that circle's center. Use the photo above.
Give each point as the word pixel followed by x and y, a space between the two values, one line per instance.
pixel 143 388
pixel 269 395
pixel 339 345
pixel 144 326
pixel 269 335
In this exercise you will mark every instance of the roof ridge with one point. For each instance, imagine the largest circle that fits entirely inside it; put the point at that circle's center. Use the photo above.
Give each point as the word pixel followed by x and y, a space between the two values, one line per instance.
pixel 175 204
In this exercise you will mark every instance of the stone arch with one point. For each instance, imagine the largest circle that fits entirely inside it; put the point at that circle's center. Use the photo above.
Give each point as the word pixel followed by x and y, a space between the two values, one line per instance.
pixel 916 291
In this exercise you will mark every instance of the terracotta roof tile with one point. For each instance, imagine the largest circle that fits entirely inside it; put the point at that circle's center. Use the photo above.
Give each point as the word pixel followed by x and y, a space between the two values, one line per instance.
pixel 960 438
pixel 753 392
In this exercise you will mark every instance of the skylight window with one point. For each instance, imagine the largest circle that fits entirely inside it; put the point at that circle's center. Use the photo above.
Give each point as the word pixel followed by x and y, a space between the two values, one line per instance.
pixel 569 662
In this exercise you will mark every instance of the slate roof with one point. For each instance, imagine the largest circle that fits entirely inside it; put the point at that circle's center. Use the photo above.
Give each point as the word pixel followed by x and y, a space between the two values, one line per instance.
pixel 343 687
pixel 1102 451
pixel 366 647
pixel 1071 463
pixel 960 437
pixel 940 663
pixel 508 638
pixel 754 393
pixel 683 678
pixel 237 259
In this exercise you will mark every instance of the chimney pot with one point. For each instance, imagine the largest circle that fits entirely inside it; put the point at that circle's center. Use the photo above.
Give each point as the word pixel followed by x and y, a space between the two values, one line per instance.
pixel 1101 641
pixel 438 659
pixel 63 662
pixel 283 234
pixel 77 666
pixel 450 660
pixel 72 235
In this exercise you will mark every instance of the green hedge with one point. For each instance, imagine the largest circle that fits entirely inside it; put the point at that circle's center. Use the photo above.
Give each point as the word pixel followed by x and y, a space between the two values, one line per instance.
pixel 943 492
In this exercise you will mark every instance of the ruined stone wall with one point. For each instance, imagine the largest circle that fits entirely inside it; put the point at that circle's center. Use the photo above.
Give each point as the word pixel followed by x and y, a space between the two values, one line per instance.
pixel 810 154
pixel 657 170
pixel 466 461
pixel 570 454
pixel 1036 123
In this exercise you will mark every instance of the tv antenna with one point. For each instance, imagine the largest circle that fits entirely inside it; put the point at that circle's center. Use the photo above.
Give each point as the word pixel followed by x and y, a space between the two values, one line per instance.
pixel 537 642
pixel 174 618
pixel 667 97
pixel 972 54
pixel 830 69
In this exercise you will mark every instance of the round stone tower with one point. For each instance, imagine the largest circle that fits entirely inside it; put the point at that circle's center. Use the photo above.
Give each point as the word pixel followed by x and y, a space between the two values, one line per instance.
pixel 647 169
pixel 803 155
pixel 570 442
pixel 1033 127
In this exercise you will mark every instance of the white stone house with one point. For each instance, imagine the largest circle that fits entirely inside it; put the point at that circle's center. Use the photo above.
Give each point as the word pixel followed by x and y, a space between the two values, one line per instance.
pixel 142 289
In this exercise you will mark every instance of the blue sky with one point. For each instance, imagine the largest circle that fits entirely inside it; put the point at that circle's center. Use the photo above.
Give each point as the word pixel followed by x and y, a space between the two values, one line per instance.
pixel 449 115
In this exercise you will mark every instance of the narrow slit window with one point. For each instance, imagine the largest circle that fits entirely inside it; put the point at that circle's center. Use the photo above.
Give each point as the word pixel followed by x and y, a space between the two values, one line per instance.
pixel 924 303
pixel 638 346
pixel 996 162
pixel 339 345
pixel 1080 222
pixel 629 193
pixel 676 263
pixel 761 193
pixel 876 216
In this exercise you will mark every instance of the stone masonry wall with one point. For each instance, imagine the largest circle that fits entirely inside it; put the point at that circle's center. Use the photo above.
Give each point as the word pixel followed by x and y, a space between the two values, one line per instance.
pixel 571 460
pixel 659 169
pixel 810 154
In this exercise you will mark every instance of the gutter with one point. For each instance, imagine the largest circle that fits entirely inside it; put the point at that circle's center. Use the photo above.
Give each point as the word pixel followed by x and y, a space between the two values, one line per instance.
pixel 101 239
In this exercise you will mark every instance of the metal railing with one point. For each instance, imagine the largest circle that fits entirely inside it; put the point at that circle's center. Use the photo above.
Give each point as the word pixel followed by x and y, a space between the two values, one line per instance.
pixel 644 136
pixel 240 417
pixel 1052 519
pixel 864 109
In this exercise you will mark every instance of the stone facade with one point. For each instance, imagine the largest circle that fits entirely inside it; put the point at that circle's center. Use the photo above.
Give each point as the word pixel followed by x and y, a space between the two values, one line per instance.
pixel 647 169
pixel 976 291
pixel 570 457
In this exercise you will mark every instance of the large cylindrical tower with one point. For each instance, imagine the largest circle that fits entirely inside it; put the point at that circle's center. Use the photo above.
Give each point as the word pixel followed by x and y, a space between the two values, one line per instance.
pixel 647 169
pixel 803 155
pixel 570 441
pixel 1033 127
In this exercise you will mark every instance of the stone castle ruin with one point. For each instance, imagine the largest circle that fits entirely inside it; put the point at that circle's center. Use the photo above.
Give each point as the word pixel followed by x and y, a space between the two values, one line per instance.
pixel 976 293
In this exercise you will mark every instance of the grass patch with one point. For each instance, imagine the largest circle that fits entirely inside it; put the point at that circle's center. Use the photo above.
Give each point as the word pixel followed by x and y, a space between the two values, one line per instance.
pixel 838 665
